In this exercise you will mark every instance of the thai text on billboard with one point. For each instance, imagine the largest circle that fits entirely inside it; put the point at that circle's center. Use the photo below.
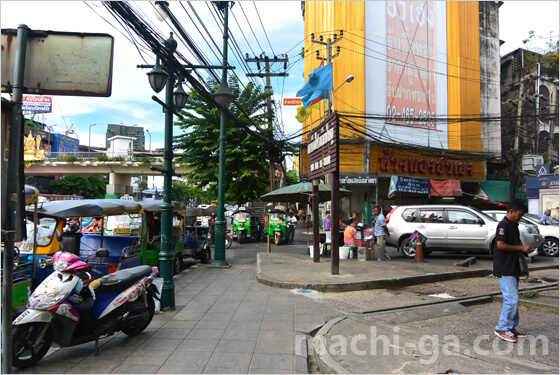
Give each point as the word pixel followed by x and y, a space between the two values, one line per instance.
pixel 411 64
pixel 38 104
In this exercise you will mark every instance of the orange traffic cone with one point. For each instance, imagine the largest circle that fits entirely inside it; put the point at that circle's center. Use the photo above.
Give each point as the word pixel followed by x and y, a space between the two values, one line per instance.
pixel 419 256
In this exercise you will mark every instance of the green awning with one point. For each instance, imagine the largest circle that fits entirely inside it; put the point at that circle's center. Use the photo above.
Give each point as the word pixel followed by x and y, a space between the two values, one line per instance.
pixel 498 191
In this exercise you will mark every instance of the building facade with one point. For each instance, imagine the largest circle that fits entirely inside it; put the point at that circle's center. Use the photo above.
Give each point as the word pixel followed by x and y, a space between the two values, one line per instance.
pixel 127 131
pixel 424 100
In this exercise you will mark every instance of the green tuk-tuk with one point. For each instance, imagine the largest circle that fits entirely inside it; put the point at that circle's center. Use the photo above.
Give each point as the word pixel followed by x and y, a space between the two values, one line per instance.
pixel 275 225
pixel 245 225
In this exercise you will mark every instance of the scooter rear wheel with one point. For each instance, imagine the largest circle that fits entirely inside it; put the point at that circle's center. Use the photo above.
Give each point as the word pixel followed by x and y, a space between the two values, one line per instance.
pixel 138 327
pixel 27 349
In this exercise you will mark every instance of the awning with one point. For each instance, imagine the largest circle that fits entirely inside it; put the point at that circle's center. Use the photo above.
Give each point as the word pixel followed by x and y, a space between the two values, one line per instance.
pixel 445 188
pixel 498 191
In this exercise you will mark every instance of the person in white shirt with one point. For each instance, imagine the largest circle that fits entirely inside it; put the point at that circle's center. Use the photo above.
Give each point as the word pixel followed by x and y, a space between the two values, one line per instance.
pixel 291 226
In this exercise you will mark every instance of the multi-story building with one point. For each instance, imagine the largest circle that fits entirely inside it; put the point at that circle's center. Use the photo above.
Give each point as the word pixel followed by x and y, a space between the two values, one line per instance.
pixel 128 131
pixel 423 105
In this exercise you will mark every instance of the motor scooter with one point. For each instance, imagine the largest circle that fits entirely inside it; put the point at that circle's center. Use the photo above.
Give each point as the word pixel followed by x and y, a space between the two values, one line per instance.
pixel 227 238
pixel 71 307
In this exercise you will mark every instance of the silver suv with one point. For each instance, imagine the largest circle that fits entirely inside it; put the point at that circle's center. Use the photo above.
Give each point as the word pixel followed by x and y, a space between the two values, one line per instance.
pixel 447 227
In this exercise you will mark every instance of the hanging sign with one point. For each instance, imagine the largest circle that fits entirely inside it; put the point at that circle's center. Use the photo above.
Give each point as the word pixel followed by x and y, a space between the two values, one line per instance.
pixel 322 148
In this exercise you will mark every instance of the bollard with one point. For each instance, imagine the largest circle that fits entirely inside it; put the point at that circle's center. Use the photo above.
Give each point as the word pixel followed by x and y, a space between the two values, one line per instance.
pixel 419 256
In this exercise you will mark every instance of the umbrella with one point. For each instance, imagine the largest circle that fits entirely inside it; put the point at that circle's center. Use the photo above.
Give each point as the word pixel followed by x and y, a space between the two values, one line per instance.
pixel 302 193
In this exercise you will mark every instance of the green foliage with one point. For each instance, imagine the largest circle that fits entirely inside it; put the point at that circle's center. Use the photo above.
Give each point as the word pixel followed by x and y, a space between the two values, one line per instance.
pixel 116 158
pixel 68 159
pixel 181 192
pixel 549 59
pixel 292 177
pixel 246 158
pixel 101 157
pixel 529 294
pixel 147 160
pixel 87 186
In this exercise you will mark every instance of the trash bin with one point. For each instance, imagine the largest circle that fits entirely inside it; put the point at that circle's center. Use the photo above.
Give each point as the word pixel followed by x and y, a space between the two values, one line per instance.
pixel 343 252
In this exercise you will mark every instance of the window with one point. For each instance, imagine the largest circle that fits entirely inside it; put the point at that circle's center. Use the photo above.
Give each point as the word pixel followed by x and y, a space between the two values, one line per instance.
pixel 431 216
pixel 409 215
pixel 461 217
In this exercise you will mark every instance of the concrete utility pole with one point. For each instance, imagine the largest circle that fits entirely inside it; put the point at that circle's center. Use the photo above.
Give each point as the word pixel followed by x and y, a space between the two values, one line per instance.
pixel 329 44
pixel 267 64
pixel 514 172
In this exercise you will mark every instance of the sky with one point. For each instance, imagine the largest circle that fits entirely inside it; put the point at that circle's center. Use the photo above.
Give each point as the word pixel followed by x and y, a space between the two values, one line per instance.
pixel 130 102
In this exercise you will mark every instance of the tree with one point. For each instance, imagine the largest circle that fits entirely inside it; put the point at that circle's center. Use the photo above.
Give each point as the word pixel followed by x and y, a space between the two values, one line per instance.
pixel 89 187
pixel 549 59
pixel 292 177
pixel 246 158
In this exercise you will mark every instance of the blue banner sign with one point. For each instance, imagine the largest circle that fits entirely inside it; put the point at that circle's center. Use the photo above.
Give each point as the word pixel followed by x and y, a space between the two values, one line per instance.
pixel 543 169
pixel 542 182
pixel 64 146
pixel 408 185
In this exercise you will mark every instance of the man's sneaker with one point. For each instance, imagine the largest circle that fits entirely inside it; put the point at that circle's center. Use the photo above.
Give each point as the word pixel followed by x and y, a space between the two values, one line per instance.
pixel 508 336
pixel 519 334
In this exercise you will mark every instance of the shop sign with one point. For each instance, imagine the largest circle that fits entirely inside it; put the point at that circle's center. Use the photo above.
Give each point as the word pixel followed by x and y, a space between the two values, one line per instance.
pixel 445 188
pixel 358 179
pixel 322 148
pixel 408 185
pixel 37 104
pixel 543 169
pixel 409 163
pixel 292 101
pixel 542 182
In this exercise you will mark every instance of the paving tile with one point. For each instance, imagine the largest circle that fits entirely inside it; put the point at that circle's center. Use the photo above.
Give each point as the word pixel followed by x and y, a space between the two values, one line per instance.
pixel 278 317
pixel 274 347
pixel 123 342
pixel 239 334
pixel 213 324
pixel 192 345
pixel 168 369
pixel 254 325
pixel 219 316
pixel 272 361
pixel 277 326
pixel 186 324
pixel 235 346
pixel 135 369
pixel 171 333
pixel 157 324
pixel 189 315
pixel 160 345
pixel 266 371
pixel 247 316
pixel 188 359
pixel 113 355
pixel 98 367
pixel 203 333
pixel 224 370
pixel 144 357
pixel 166 315
pixel 46 368
pixel 230 360
pixel 68 355
pixel 281 335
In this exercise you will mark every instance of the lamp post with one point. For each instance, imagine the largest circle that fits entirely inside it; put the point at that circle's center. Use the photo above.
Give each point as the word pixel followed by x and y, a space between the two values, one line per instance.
pixel 160 77
pixel 223 96
pixel 89 142
pixel 147 131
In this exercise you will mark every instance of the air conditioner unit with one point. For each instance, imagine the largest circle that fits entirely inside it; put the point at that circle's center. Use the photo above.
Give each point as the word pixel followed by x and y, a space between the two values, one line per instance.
pixel 529 162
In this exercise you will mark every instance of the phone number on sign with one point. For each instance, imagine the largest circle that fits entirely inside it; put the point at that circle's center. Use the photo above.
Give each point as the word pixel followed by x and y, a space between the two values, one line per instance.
pixel 408 116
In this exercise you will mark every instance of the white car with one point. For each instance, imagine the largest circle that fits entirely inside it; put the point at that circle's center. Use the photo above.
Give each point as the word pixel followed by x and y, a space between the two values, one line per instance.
pixel 550 233
pixel 448 227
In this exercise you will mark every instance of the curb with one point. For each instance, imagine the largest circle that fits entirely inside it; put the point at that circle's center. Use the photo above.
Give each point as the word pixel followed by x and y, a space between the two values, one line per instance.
pixel 378 284
pixel 323 358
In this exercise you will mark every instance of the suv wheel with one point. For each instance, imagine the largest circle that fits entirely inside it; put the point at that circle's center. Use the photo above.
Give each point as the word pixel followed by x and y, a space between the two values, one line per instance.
pixel 406 249
pixel 550 247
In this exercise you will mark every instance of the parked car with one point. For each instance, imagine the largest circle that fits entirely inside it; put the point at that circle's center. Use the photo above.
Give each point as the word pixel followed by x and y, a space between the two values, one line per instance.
pixel 447 227
pixel 550 233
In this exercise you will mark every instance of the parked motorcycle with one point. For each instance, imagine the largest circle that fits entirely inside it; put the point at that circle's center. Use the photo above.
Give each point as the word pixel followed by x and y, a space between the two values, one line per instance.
pixel 71 307
pixel 228 238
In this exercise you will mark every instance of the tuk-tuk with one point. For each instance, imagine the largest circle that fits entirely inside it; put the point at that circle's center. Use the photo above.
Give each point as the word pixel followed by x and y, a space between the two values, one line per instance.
pixel 124 250
pixel 245 225
pixel 147 228
pixel 21 287
pixel 276 221
pixel 195 237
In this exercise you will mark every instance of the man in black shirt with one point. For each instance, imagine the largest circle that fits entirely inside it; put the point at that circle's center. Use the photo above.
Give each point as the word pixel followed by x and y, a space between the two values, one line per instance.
pixel 507 251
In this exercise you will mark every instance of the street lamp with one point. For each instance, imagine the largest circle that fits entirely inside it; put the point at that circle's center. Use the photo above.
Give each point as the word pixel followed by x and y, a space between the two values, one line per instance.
pixel 349 79
pixel 160 77
pixel 89 142
pixel 150 140
pixel 224 97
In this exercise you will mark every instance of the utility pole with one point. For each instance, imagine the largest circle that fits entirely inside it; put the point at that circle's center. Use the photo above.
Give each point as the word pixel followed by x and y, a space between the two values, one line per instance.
pixel 329 44
pixel 267 64
pixel 514 172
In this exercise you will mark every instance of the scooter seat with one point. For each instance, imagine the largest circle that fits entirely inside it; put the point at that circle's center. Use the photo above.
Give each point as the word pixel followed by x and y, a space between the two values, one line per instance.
pixel 121 280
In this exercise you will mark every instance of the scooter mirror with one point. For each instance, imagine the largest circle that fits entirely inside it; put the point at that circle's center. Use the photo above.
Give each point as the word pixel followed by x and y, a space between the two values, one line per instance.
pixel 57 235
pixel 102 253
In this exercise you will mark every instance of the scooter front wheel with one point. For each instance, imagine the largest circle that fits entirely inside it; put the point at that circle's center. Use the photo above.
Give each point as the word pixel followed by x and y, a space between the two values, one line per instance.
pixel 30 343
pixel 228 242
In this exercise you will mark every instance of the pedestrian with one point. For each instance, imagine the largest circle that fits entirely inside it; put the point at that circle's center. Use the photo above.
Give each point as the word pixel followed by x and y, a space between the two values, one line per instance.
pixel 350 237
pixel 507 250
pixel 303 215
pixel 381 232
pixel 327 221
pixel 545 219
pixel 291 224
